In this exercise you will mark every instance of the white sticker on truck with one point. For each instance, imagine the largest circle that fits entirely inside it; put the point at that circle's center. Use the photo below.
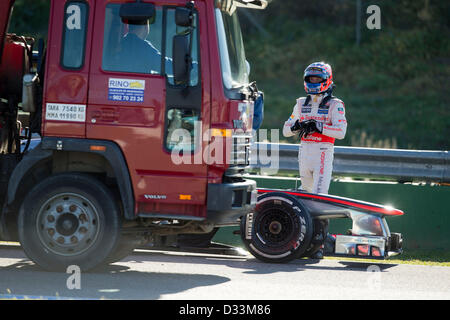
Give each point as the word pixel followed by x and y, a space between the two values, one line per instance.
pixel 65 112
pixel 128 90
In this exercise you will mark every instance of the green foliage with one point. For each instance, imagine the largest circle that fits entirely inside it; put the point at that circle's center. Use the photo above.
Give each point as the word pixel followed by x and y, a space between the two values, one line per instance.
pixel 30 18
pixel 394 84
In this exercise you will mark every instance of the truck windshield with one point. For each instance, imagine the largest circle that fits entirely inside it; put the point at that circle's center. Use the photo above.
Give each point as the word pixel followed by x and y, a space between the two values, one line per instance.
pixel 231 47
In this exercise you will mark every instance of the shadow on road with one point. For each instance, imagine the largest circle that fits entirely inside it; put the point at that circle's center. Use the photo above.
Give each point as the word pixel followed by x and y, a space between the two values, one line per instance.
pixel 116 281
pixel 139 276
pixel 258 267
pixel 251 265
pixel 358 266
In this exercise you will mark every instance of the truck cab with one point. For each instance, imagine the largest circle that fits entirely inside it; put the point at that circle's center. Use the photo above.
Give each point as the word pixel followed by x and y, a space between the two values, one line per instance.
pixel 141 113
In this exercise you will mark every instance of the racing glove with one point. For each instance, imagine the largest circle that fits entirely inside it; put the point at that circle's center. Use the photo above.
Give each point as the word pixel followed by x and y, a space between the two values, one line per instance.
pixel 297 127
pixel 312 126
pixel 307 127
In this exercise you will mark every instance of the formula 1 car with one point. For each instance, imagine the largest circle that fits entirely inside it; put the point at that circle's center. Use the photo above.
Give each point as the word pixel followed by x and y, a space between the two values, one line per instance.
pixel 290 224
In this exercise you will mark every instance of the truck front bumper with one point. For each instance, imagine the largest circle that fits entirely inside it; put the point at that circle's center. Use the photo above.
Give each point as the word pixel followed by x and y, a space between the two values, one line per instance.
pixel 228 202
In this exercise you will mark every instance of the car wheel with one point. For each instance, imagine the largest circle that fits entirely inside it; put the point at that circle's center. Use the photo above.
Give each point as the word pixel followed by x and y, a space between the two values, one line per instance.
pixel 279 230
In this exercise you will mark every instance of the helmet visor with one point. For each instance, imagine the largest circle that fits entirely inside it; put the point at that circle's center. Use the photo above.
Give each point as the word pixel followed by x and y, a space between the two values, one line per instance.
pixel 315 72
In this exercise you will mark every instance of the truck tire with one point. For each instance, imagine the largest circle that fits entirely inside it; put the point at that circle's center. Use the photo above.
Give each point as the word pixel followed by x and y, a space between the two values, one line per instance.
pixel 69 219
pixel 279 230
pixel 124 248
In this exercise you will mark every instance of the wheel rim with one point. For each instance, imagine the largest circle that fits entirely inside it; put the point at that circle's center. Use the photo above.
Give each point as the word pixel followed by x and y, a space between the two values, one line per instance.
pixel 68 224
pixel 276 228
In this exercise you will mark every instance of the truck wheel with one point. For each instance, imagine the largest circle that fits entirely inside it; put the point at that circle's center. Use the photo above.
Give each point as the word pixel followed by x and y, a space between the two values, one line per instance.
pixel 279 230
pixel 69 219
pixel 125 248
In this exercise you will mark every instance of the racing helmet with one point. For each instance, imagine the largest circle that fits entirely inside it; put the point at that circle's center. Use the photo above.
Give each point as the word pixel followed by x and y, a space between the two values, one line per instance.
pixel 321 70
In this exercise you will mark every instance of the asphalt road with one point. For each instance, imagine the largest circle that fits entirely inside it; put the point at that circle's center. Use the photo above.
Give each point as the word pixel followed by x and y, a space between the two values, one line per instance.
pixel 174 275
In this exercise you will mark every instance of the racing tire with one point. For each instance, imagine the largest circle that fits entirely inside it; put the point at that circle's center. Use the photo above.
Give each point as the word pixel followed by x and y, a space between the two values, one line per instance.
pixel 279 230
pixel 320 229
pixel 69 219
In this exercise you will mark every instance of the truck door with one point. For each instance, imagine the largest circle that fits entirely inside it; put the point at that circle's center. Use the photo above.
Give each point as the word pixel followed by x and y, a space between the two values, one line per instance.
pixel 67 68
pixel 134 101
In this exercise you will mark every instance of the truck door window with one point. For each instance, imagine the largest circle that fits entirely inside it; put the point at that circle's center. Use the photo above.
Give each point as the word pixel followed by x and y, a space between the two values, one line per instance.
pixel 74 34
pixel 132 46
pixel 183 124
pixel 171 30
pixel 183 130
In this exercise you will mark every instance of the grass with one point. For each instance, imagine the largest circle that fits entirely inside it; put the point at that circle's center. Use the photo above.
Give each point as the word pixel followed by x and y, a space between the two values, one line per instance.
pixel 425 258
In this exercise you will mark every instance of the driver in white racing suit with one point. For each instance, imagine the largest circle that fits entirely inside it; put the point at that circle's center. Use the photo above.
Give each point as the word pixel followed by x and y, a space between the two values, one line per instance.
pixel 319 119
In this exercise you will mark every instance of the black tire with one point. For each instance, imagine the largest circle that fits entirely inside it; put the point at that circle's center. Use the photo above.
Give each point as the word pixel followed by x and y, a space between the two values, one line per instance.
pixel 279 230
pixel 320 230
pixel 69 219
pixel 124 248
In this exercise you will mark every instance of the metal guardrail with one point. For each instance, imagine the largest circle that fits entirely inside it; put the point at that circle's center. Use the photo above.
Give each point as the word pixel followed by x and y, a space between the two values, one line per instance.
pixel 373 163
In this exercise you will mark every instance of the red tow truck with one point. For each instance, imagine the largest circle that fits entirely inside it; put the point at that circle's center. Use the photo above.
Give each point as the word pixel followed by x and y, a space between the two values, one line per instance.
pixel 138 141
pixel 143 116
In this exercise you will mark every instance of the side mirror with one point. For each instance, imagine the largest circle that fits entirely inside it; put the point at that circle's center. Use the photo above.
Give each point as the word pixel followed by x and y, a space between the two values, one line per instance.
pixel 183 17
pixel 137 11
pixel 181 63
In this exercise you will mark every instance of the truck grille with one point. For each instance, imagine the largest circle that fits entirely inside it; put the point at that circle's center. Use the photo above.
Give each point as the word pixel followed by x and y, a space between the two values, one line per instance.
pixel 240 152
